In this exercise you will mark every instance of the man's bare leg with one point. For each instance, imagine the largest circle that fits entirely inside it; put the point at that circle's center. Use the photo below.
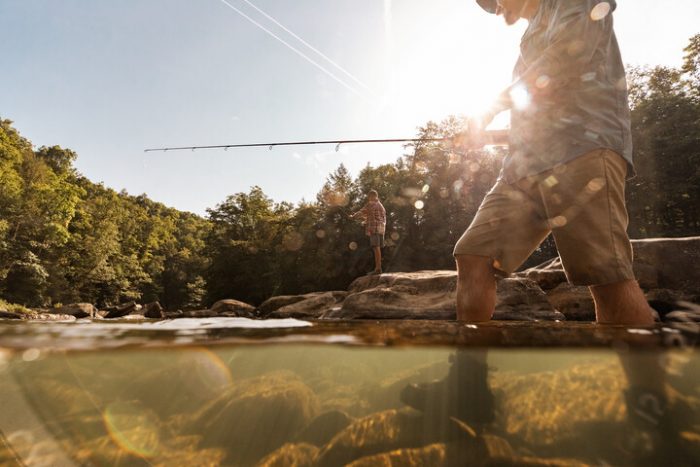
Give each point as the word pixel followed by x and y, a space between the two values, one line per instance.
pixel 624 303
pixel 377 258
pixel 476 288
pixel 621 303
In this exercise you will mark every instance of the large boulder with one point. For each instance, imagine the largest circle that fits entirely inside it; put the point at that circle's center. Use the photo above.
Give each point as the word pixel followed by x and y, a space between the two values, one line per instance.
pixel 659 263
pixel 432 295
pixel 668 263
pixel 313 306
pixel 153 310
pixel 233 309
pixel 79 310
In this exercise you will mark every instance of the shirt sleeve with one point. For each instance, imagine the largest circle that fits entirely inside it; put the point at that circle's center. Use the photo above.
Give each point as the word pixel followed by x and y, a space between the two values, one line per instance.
pixel 576 34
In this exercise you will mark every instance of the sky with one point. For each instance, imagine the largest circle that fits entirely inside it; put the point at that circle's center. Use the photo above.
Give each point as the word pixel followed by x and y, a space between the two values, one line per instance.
pixel 111 78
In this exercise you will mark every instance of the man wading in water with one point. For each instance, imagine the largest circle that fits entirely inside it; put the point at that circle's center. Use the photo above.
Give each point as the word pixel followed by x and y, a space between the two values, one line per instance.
pixel 374 216
pixel 570 152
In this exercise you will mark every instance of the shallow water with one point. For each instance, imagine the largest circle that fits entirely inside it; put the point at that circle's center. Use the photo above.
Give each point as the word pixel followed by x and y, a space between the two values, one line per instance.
pixel 230 392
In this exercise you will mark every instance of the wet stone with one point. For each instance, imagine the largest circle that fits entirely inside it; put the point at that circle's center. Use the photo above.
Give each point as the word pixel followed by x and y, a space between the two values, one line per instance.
pixel 324 427
pixel 297 455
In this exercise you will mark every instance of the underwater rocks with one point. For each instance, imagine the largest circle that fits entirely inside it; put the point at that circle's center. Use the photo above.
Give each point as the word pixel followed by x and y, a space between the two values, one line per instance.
pixel 297 455
pixel 280 405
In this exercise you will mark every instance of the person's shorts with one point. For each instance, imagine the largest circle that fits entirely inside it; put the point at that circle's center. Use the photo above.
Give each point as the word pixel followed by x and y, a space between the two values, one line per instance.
pixel 376 240
pixel 582 203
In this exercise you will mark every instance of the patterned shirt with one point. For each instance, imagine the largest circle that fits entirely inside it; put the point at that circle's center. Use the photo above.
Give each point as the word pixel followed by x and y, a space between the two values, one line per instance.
pixel 571 76
pixel 375 218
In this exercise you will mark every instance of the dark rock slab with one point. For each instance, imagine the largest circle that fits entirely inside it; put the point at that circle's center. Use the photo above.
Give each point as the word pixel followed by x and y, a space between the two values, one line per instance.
pixel 121 310
pixel 79 310
pixel 313 306
pixel 233 308
pixel 659 263
pixel 153 310
pixel 4 314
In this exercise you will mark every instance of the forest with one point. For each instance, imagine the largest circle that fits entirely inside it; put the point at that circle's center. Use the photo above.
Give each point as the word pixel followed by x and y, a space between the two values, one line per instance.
pixel 65 239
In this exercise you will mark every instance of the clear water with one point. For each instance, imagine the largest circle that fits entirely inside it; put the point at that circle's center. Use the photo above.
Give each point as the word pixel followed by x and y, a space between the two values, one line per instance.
pixel 232 393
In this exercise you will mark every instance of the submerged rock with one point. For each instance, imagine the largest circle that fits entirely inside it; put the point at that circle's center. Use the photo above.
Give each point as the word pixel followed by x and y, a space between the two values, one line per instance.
pixel 255 417
pixel 324 427
pixel 296 455
pixel 388 431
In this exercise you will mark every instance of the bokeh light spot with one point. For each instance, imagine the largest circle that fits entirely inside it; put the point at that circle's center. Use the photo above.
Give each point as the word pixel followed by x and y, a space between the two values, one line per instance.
pixel 292 241
pixel 419 204
pixel 395 236
pixel 559 221
pixel 600 11
pixel 595 185
pixel 320 233
pixel 30 355
pixel 353 246
pixel 542 82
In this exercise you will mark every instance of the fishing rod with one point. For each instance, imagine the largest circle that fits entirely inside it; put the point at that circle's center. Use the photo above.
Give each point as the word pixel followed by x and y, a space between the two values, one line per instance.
pixel 491 138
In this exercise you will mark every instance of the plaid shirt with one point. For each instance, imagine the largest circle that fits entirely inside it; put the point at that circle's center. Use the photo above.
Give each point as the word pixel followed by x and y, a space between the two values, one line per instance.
pixel 375 218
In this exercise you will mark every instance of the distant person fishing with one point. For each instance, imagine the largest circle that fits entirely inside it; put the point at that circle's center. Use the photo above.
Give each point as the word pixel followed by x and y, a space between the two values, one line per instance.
pixel 374 217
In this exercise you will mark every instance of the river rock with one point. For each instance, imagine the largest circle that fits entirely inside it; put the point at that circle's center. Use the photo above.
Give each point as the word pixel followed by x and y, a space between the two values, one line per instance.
pixel 659 263
pixel 4 314
pixel 297 455
pixel 256 416
pixel 324 427
pixel 121 310
pixel 277 302
pixel 388 431
pixel 153 310
pixel 233 309
pixel 431 295
pixel 574 302
pixel 314 306
pixel 79 310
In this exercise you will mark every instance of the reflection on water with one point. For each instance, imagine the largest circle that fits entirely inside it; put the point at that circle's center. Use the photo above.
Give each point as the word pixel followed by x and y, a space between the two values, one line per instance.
pixel 330 405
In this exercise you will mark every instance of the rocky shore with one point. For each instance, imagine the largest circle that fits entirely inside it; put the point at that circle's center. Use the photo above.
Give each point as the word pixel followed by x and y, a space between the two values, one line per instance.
pixel 666 269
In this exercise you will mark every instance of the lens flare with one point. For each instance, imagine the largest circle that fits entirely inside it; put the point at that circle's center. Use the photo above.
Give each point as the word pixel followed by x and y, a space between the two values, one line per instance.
pixel 133 427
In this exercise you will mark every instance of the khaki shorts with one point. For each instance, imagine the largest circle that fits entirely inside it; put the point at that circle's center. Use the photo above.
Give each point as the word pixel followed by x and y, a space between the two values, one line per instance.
pixel 582 203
